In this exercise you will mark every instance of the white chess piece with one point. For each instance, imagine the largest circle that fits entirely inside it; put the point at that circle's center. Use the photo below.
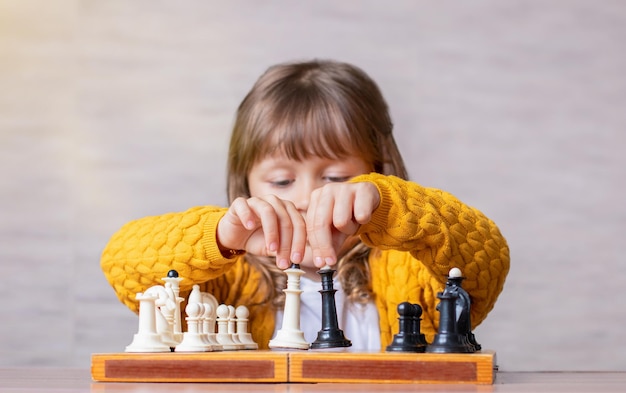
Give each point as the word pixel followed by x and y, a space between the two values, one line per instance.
pixel 232 324
pixel 207 326
pixel 193 339
pixel 290 336
pixel 455 272
pixel 174 288
pixel 209 319
pixel 164 314
pixel 147 339
pixel 195 296
pixel 242 313
pixel 222 336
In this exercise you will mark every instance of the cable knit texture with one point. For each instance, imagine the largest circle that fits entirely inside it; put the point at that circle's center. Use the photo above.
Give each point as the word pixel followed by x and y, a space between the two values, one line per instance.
pixel 417 234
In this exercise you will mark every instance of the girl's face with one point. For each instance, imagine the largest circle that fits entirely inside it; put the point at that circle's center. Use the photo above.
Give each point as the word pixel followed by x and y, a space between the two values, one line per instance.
pixel 294 181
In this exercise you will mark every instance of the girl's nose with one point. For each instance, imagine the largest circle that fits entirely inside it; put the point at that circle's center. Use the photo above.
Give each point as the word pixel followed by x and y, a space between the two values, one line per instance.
pixel 302 196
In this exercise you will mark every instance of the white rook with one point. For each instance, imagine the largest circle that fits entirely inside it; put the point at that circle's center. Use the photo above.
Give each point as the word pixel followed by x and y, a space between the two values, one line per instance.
pixel 147 339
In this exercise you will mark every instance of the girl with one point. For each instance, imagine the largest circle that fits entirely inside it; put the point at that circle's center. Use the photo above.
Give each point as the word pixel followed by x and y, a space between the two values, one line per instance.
pixel 315 178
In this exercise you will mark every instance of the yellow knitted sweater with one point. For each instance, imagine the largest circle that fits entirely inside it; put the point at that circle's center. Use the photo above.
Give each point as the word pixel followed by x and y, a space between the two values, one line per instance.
pixel 417 234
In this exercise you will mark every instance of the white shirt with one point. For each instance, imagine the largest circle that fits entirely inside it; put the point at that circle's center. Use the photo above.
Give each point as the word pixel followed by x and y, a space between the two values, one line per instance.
pixel 359 322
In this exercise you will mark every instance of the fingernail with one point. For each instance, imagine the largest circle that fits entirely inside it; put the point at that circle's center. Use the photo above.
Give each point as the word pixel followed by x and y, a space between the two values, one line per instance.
pixel 318 261
pixel 296 257
pixel 329 260
pixel 283 263
pixel 273 246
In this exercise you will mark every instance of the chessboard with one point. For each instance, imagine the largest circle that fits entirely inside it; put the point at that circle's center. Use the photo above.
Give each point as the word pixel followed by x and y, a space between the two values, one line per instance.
pixel 249 366
pixel 217 346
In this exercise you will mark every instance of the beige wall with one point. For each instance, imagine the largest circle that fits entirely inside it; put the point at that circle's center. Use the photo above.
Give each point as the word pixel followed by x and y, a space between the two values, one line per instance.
pixel 113 110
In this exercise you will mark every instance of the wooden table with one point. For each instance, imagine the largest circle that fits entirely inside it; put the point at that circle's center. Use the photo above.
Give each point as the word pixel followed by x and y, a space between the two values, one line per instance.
pixel 28 380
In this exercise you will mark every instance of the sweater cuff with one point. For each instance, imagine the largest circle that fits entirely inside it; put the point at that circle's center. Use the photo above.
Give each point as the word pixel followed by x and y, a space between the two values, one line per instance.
pixel 209 240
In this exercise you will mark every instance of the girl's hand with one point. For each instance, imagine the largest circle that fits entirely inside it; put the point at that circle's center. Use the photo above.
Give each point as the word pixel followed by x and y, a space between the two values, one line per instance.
pixel 335 212
pixel 266 226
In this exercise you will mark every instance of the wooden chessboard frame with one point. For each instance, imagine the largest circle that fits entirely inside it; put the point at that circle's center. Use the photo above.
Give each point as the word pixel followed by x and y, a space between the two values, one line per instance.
pixel 297 366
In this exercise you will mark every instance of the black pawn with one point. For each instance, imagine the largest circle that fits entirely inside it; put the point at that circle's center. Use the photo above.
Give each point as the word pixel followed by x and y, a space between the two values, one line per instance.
pixel 463 308
pixel 172 274
pixel 447 340
pixel 330 336
pixel 409 337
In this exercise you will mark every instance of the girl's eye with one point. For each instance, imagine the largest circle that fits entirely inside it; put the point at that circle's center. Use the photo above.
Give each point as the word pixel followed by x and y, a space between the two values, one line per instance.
pixel 281 183
pixel 337 179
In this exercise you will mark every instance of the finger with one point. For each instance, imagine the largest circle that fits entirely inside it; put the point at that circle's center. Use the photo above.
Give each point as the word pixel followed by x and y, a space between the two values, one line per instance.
pixel 366 200
pixel 319 228
pixel 236 225
pixel 268 221
pixel 343 211
pixel 285 212
pixel 242 211
pixel 276 219
pixel 298 235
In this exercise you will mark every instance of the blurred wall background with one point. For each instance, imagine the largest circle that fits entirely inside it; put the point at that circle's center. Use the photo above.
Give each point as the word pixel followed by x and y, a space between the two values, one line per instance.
pixel 113 110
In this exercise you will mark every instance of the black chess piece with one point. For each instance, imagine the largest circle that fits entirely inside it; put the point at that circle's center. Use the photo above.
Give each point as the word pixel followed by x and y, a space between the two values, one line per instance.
pixel 409 337
pixel 330 336
pixel 447 340
pixel 463 308
pixel 420 339
pixel 172 273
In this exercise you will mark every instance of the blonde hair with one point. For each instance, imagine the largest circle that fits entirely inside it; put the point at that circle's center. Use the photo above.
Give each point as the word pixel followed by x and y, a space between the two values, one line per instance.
pixel 317 108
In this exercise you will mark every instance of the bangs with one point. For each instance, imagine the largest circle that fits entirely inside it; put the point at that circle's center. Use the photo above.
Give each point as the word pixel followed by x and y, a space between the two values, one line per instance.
pixel 313 127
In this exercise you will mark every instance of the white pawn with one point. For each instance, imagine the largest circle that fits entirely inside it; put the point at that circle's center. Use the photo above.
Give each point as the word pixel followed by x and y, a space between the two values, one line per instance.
pixel 244 336
pixel 193 339
pixel 290 335
pixel 207 326
pixel 147 339
pixel 222 336
pixel 232 324
pixel 209 319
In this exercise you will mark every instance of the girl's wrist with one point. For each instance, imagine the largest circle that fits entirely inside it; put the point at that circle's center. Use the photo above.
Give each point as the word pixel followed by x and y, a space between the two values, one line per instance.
pixel 230 253
pixel 226 252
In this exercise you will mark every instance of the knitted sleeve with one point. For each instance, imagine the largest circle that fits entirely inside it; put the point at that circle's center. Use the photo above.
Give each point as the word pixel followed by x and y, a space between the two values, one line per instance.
pixel 440 232
pixel 144 250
